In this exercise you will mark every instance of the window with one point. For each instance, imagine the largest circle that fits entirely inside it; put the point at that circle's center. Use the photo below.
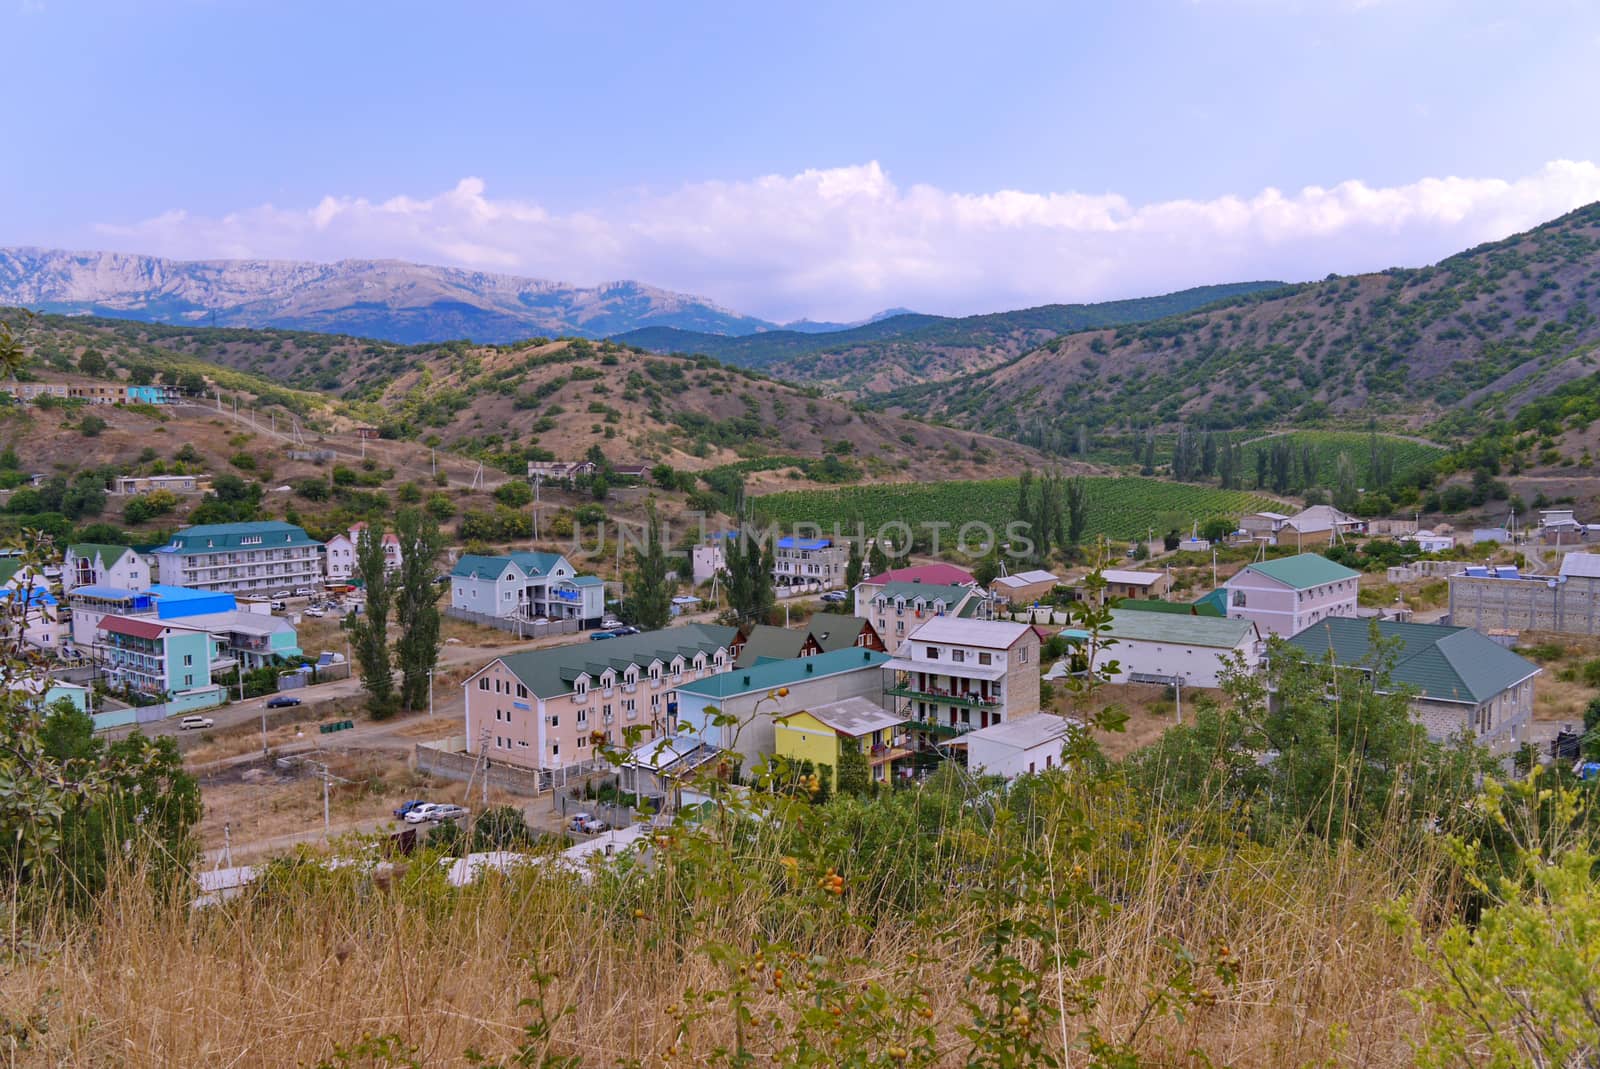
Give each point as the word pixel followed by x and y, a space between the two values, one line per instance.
pixel 932 652
pixel 958 656
pixel 985 658
pixel 188 680
pixel 555 721
pixel 899 627
pixel 583 717
pixel 188 659
pixel 1238 599
pixel 522 691
pixel 555 749
pixel 1023 653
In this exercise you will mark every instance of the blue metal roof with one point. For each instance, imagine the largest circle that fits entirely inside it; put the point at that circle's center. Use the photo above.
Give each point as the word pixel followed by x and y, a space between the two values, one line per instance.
pixel 107 593
pixel 790 542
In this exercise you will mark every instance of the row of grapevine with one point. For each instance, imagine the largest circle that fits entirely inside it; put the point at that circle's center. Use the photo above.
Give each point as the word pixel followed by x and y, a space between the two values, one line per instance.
pixel 1121 508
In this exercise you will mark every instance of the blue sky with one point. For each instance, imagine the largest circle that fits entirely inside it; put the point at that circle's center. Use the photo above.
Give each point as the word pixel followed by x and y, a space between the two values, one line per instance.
pixel 822 159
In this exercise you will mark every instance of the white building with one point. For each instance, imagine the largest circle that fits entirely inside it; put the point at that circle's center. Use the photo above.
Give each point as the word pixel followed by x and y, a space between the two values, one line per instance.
pixel 1289 594
pixel 91 564
pixel 1015 748
pixel 896 609
pixel 526 585
pixel 706 561
pixel 1428 542
pixel 1160 647
pixel 242 558
pixel 339 556
pixel 820 561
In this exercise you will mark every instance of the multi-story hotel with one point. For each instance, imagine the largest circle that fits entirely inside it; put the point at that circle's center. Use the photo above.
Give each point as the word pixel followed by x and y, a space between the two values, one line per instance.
pixel 242 558
pixel 953 675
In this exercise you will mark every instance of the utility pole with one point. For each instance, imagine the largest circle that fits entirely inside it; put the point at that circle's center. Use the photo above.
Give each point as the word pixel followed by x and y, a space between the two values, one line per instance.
pixel 430 693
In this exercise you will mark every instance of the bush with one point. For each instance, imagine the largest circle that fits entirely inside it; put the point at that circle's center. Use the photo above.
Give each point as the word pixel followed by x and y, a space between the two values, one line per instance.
pixel 440 506
pixel 91 425
pixel 514 494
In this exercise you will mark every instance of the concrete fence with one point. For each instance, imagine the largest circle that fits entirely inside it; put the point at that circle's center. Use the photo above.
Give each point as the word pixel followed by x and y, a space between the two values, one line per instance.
pixel 1425 569
pixel 1570 605
pixel 455 764
pixel 517 626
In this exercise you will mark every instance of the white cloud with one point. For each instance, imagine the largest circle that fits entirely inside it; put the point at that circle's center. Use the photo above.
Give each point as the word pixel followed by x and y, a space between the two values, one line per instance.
pixel 848 241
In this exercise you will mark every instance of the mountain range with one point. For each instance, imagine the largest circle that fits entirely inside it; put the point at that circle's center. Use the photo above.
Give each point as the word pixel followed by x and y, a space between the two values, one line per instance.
pixel 387 300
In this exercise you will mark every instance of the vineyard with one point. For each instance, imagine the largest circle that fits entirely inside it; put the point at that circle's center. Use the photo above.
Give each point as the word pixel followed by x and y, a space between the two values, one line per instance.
pixel 1409 457
pixel 1122 508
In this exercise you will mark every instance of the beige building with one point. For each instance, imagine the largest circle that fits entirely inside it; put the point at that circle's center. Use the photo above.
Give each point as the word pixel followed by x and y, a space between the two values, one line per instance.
pixel 953 675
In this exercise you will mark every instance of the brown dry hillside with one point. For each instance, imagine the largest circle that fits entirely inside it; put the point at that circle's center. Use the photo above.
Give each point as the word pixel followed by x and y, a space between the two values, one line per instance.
pixel 1483 331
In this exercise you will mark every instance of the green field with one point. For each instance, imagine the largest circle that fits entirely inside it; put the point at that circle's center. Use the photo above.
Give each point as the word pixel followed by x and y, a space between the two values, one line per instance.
pixel 1409 457
pixel 1122 508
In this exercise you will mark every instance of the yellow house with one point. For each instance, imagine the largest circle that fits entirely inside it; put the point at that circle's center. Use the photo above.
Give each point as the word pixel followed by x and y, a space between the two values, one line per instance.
pixel 817 734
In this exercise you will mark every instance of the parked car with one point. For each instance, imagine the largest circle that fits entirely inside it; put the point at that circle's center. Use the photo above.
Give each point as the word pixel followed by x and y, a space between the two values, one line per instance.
pixel 835 596
pixel 610 622
pixel 596 636
pixel 449 812
pixel 419 814
pixel 195 723
pixel 281 594
pixel 594 827
pixel 626 629
pixel 279 605
pixel 282 701
pixel 406 807
pixel 314 611
pixel 304 592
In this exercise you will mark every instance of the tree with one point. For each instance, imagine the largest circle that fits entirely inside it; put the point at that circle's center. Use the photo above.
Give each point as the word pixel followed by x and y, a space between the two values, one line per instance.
pixel 877 560
pixel 1345 492
pixel 501 827
pixel 853 776
pixel 369 629
pixel 92 363
pixel 416 606
pixel 649 600
pixel 192 383
pixel 13 347
pixel 987 569
pixel 749 566
pixel 514 494
pixel 852 568
pixel 1077 509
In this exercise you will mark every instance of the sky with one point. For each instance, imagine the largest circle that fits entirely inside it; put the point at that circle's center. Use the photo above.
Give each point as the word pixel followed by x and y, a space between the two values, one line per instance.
pixel 823 160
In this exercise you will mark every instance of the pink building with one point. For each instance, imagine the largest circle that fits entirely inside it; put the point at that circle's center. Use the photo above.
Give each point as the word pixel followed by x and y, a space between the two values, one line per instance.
pixel 554 707
pixel 1287 595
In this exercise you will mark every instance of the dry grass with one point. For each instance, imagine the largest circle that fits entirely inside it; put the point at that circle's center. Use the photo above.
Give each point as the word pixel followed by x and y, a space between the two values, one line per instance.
pixel 1149 707
pixel 280 977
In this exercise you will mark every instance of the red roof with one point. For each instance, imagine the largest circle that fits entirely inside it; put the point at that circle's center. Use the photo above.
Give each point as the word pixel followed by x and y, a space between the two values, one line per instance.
pixel 932 574
pixel 132 626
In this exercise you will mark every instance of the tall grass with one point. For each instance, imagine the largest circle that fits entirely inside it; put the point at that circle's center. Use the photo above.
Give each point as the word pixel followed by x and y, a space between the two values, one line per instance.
pixel 674 960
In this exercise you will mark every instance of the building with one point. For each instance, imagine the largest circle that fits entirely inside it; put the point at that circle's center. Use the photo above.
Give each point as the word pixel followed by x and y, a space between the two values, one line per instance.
pixel 40 617
pixel 89 604
pixel 935 574
pixel 764 642
pixel 1289 594
pixel 1427 541
pixel 752 698
pixel 1136 583
pixel 896 609
pixel 820 734
pixel 32 391
pixel 261 558
pixel 526 585
pixel 1318 525
pixel 161 660
pixel 50 691
pixel 706 561
pixel 1171 648
pixel 91 564
pixel 1502 599
pixel 1013 748
pixel 540 708
pixel 1178 608
pixel 954 675
pixel 810 561
pixel 1462 682
pixel 339 553
pixel 833 632
pixel 1024 588
pixel 252 639
pixel 1263 526
pixel 173 484
pixel 558 471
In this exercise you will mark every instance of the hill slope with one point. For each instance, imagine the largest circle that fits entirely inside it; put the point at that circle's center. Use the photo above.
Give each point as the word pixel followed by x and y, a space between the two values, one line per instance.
pixel 386 299
pixel 906 349
pixel 507 405
pixel 1484 331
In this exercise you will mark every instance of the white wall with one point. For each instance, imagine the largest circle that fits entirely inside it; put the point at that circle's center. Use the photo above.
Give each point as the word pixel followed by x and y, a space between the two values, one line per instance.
pixel 992 759
pixel 1200 666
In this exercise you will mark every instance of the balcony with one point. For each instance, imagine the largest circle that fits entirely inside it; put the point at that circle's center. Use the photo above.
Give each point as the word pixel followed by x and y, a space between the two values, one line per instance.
pixel 939 727
pixel 967 701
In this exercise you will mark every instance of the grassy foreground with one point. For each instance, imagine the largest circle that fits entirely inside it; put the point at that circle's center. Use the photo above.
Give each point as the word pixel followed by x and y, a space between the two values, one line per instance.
pixel 1182 944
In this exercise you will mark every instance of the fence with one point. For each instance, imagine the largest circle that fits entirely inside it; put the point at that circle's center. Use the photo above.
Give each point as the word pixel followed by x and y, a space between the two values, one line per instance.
pixel 456 765
pixel 1425 569
pixel 617 816
pixel 515 624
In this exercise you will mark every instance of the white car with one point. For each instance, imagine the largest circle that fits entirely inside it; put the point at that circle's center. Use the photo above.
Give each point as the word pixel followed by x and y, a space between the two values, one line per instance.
pixel 195 723
pixel 304 592
pixel 421 814
pixel 314 611
pixel 280 595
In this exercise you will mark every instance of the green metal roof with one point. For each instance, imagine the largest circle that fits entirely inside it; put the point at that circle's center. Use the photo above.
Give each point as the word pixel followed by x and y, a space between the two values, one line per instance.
pixel 1450 664
pixel 1171 608
pixel 227 537
pixel 765 641
pixel 477 566
pixel 834 632
pixel 549 672
pixel 1216 601
pixel 1304 571
pixel 785 673
pixel 106 555
pixel 1180 630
